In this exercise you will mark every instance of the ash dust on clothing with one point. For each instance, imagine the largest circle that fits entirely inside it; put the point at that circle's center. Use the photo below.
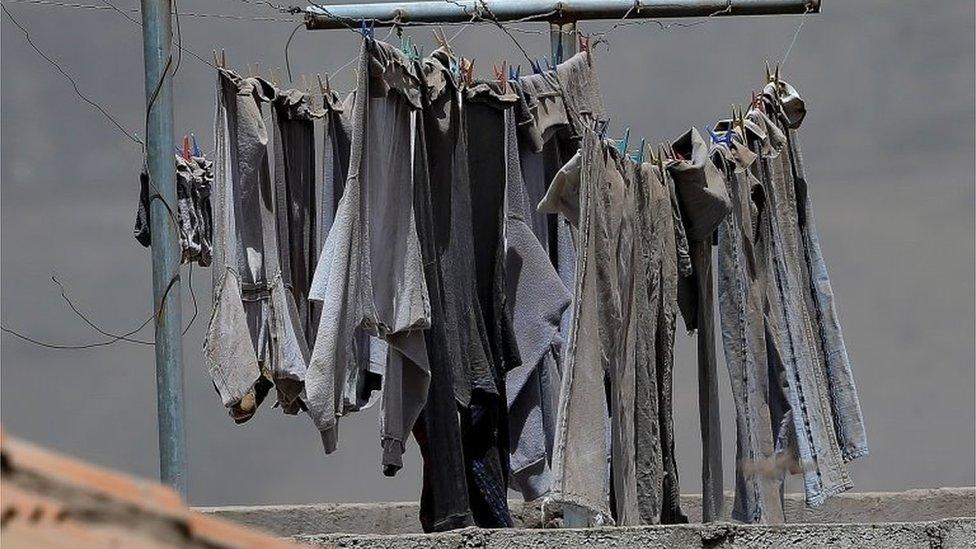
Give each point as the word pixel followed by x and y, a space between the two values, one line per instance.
pixel 826 414
pixel 536 301
pixel 439 209
pixel 370 269
pixel 361 384
pixel 487 109
pixel 750 357
pixel 704 203
pixel 248 347
pixel 194 179
pixel 601 342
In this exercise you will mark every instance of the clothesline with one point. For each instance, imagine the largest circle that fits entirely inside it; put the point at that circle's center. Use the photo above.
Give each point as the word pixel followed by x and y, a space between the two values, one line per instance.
pixel 478 257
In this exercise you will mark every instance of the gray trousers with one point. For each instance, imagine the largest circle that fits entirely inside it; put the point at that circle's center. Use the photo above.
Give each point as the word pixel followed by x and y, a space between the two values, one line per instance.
pixel 370 269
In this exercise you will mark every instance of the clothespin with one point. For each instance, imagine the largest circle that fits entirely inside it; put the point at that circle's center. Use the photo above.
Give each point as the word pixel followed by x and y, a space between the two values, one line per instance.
pixel 417 53
pixel 658 160
pixel 640 151
pixel 720 138
pixel 772 77
pixel 757 102
pixel 738 120
pixel 186 147
pixel 557 57
pixel 454 67
pixel 324 88
pixel 622 144
pixel 536 66
pixel 405 45
pixel 501 75
pixel 467 70
pixel 584 47
pixel 196 148
pixel 548 65
pixel 440 39
pixel 366 30
pixel 514 72
pixel 600 126
pixel 305 83
pixel 222 61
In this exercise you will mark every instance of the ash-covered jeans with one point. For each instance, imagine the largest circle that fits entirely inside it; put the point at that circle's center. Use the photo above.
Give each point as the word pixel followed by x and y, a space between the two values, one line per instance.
pixel 826 417
pixel 444 496
pixel 595 193
pixel 704 204
pixel 659 242
pixel 750 357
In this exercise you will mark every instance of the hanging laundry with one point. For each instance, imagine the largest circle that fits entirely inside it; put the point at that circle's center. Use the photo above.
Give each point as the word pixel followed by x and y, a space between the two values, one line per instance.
pixel 443 220
pixel 488 109
pixel 752 361
pixel 536 299
pixel 826 415
pixel 370 271
pixel 194 179
pixel 249 346
pixel 704 203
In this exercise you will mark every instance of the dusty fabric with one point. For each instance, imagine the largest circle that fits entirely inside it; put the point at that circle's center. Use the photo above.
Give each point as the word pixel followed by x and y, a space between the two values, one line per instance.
pixel 194 179
pixel 370 270
pixel 248 290
pixel 444 496
pixel 741 293
pixel 704 203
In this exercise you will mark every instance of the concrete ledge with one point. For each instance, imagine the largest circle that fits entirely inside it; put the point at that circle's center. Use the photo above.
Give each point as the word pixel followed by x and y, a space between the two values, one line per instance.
pixel 944 534
pixel 401 518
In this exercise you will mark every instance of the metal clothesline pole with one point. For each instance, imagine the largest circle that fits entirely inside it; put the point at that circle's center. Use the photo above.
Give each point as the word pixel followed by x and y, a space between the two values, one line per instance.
pixel 157 41
pixel 461 11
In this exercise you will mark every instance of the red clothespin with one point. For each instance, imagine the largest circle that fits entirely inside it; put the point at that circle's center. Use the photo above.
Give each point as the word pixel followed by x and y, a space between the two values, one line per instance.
pixel 584 46
pixel 186 147
pixel 501 75
pixel 757 102
pixel 467 70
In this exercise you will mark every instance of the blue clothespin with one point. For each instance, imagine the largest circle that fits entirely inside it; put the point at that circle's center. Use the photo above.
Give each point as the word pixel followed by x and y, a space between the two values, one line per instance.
pixel 454 67
pixel 638 155
pixel 622 144
pixel 536 66
pixel 558 57
pixel 724 139
pixel 416 52
pixel 514 72
pixel 548 65
pixel 366 30
pixel 196 148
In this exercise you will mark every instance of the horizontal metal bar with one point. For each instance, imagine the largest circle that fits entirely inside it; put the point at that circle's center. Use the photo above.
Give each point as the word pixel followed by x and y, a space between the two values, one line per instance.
pixel 459 11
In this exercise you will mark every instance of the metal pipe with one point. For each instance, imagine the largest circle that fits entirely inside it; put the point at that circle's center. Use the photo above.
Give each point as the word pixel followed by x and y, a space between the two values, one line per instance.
pixel 460 11
pixel 157 43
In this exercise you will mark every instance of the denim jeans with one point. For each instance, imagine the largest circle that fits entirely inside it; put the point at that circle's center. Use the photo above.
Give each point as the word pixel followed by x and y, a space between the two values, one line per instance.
pixel 704 204
pixel 742 294
pixel 822 396
pixel 659 244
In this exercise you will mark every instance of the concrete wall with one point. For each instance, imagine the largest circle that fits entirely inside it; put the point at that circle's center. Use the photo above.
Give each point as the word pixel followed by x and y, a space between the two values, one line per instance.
pixel 943 534
pixel 401 518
